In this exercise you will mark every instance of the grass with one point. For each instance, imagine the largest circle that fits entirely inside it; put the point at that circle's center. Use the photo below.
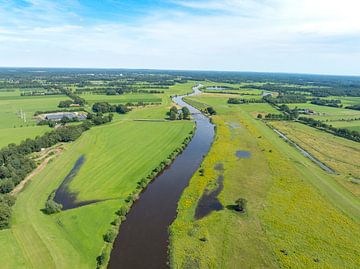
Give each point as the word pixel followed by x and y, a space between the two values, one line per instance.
pixel 122 99
pixel 294 208
pixel 351 125
pixel 16 135
pixel 325 113
pixel 342 155
pixel 10 105
pixel 117 156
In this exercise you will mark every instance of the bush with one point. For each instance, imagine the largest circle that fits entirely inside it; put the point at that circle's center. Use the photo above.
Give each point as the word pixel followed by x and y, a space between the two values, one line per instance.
pixel 122 211
pixel 5 216
pixel 51 207
pixel 240 205
pixel 110 236
pixel 100 260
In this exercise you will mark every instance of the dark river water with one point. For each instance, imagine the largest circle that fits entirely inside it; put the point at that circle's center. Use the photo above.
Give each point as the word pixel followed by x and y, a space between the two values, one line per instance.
pixel 143 238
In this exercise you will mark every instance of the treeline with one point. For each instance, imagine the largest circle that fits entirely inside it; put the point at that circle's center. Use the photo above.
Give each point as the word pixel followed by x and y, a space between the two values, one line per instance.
pixel 285 99
pixel 41 93
pixel 244 101
pixel 104 107
pixel 76 99
pixel 175 114
pixel 342 132
pixel 331 89
pixel 326 102
pixel 355 107
pixel 15 162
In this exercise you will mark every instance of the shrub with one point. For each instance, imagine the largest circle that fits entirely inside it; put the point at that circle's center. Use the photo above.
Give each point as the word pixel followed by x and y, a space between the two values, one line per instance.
pixel 122 211
pixel 5 215
pixel 110 235
pixel 100 260
pixel 51 207
pixel 240 205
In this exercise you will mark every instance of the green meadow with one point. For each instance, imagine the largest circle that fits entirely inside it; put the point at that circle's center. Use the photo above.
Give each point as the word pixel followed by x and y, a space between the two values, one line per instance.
pixel 117 156
pixel 325 113
pixel 297 215
pixel 351 125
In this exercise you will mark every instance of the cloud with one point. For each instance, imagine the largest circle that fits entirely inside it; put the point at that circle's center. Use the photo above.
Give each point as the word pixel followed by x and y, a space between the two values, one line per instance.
pixel 267 35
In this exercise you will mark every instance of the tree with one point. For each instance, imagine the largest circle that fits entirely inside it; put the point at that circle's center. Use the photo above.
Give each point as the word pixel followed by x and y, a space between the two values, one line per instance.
pixel 51 207
pixel 211 110
pixel 174 109
pixel 173 115
pixel 240 205
pixel 185 112
pixel 259 116
pixel 5 215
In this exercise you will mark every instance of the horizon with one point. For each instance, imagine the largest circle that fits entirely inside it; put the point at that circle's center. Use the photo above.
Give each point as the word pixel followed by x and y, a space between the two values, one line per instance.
pixel 180 70
pixel 272 36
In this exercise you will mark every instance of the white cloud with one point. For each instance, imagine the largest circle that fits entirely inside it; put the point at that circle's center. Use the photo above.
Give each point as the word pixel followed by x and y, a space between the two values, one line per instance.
pixel 267 35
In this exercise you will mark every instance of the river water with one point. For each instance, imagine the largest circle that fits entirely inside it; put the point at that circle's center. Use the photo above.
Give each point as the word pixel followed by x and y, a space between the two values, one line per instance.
pixel 143 238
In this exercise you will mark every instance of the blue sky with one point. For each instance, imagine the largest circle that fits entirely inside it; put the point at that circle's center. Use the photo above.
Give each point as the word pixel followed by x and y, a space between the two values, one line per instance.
pixel 308 36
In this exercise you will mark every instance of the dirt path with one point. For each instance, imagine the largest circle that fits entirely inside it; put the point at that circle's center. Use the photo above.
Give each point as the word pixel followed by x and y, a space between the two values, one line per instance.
pixel 38 169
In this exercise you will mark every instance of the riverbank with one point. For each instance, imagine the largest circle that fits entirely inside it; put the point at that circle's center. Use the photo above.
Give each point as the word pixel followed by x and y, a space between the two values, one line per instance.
pixel 290 218
pixel 145 231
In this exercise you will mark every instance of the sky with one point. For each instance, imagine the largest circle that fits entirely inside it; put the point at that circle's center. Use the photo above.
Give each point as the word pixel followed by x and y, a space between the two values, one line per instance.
pixel 294 36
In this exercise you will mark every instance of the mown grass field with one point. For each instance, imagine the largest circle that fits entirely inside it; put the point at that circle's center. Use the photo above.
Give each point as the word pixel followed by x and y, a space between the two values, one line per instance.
pixel 12 128
pixel 16 135
pixel 117 156
pixel 12 103
pixel 325 113
pixel 351 125
pixel 297 217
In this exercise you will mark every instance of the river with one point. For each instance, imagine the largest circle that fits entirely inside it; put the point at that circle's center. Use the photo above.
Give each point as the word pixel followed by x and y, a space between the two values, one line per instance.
pixel 143 238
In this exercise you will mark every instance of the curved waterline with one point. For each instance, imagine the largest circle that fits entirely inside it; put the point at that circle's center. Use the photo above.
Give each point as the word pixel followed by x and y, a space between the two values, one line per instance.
pixel 143 238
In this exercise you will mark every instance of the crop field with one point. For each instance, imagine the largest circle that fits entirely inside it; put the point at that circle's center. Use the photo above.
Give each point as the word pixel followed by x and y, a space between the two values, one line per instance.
pixel 284 190
pixel 117 155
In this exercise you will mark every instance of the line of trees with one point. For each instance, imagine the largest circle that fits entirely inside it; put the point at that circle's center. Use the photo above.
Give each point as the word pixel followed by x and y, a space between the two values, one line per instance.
pixel 244 101
pixel 355 107
pixel 104 107
pixel 326 102
pixel 285 99
pixel 16 164
pixel 342 132
pixel 175 114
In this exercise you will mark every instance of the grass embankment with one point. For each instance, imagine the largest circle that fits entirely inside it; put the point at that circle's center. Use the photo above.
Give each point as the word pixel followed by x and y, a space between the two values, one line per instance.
pixel 117 156
pixel 295 210
pixel 341 154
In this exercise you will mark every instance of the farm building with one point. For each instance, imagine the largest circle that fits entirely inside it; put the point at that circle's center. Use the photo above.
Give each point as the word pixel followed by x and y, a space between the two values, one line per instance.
pixel 59 116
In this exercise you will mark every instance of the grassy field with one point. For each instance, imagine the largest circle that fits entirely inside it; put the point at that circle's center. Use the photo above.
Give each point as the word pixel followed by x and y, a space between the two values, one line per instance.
pixel 122 99
pixel 12 103
pixel 351 125
pixel 16 135
pixel 325 113
pixel 294 208
pixel 12 128
pixel 342 155
pixel 117 156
